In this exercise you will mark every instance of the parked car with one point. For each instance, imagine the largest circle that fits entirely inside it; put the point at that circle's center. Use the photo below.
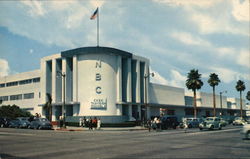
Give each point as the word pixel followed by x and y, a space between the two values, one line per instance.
pixel 211 123
pixel 246 130
pixel 192 122
pixel 169 122
pixel 40 123
pixel 24 122
pixel 239 121
pixel 4 122
pixel 223 122
pixel 14 123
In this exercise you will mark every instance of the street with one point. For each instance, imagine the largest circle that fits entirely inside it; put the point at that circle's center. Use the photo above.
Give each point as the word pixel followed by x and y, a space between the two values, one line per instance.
pixel 26 143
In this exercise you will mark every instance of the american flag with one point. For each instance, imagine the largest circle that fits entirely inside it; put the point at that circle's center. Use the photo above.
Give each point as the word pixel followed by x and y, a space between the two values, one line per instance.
pixel 94 14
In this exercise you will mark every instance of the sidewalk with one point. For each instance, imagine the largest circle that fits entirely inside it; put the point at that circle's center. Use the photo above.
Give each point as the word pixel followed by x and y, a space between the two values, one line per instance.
pixel 71 128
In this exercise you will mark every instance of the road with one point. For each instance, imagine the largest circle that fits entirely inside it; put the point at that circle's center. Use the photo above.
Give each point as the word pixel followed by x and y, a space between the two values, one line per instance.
pixel 30 144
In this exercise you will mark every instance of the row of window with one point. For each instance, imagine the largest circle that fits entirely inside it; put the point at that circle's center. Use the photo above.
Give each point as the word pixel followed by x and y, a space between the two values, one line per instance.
pixel 17 97
pixel 22 82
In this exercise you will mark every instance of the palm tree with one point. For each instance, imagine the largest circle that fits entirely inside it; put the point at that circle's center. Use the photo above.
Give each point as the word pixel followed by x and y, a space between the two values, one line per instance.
pixel 213 81
pixel 48 106
pixel 248 95
pixel 240 86
pixel 194 83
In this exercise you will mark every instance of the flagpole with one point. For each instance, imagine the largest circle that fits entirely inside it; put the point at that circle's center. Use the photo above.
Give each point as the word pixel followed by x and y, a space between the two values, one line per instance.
pixel 98 27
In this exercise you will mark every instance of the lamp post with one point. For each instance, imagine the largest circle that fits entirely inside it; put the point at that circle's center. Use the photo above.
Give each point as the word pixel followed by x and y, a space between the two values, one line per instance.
pixel 221 101
pixel 63 75
pixel 146 96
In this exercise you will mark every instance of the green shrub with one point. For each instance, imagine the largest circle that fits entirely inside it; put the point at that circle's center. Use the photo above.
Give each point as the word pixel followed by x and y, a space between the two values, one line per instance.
pixel 13 112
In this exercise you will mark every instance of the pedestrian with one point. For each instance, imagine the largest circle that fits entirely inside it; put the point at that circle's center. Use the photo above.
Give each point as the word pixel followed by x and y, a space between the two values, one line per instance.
pixel 95 123
pixel 158 123
pixel 149 123
pixel 84 122
pixel 185 127
pixel 80 122
pixel 99 124
pixel 90 124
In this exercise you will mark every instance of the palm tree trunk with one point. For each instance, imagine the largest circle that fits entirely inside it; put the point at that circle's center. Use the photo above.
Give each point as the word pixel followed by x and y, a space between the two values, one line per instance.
pixel 214 101
pixel 195 104
pixel 241 113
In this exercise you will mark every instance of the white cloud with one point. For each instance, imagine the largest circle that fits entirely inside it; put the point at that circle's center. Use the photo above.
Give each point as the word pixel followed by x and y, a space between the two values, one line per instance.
pixel 243 58
pixel 35 8
pixel 4 69
pixel 189 3
pixel 158 78
pixel 97 3
pixel 189 39
pixel 176 79
pixel 241 10
pixel 227 75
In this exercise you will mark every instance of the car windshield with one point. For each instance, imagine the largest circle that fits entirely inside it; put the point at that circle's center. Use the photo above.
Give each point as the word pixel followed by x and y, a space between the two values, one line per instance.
pixel 209 119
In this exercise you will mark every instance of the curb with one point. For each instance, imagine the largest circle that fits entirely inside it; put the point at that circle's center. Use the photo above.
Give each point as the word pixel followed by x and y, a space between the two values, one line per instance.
pixel 63 129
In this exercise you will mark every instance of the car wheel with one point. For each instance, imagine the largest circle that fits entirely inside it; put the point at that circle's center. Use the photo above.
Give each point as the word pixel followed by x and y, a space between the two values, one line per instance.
pixel 201 128
pixel 220 127
pixel 212 127
pixel 189 126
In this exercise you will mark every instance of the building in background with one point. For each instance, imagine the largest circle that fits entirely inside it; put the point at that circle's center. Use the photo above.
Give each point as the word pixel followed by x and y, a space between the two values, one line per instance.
pixel 103 82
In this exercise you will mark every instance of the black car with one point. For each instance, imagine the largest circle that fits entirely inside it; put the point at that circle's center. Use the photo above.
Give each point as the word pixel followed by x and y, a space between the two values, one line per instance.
pixel 4 122
pixel 169 122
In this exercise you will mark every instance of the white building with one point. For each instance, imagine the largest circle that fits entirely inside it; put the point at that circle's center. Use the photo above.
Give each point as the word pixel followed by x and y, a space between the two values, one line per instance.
pixel 102 82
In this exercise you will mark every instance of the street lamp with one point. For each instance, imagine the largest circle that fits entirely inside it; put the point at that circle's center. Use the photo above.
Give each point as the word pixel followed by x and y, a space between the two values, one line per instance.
pixel 63 75
pixel 221 101
pixel 146 96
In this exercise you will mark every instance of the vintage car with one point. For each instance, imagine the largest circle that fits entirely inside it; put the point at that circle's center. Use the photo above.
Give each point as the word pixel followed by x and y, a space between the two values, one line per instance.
pixel 40 123
pixel 14 123
pixel 169 122
pixel 239 121
pixel 23 122
pixel 190 122
pixel 223 122
pixel 211 123
pixel 4 122
pixel 246 130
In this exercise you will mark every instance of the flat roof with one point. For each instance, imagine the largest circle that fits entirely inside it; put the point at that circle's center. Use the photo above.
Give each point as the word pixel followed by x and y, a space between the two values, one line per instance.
pixel 95 50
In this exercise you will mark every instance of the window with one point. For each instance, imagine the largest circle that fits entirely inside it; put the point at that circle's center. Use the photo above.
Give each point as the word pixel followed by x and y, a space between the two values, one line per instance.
pixel 27 81
pixel 35 80
pixel 2 85
pixel 4 98
pixel 28 96
pixel 16 97
pixel 12 84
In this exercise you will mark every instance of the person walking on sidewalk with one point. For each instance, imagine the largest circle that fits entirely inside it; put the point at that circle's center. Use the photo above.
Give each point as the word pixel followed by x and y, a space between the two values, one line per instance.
pixel 80 122
pixel 90 124
pixel 99 124
pixel 84 122
pixel 149 123
pixel 95 123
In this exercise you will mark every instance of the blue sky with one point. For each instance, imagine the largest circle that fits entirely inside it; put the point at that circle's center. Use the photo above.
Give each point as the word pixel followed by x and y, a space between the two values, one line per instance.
pixel 176 35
